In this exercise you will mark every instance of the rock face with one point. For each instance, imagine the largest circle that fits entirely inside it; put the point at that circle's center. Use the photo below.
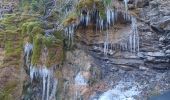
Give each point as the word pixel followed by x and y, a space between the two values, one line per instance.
pixel 152 58
pixel 126 57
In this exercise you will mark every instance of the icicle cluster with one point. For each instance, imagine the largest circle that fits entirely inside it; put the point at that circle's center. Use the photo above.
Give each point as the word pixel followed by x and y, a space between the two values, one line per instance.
pixel 48 81
pixel 69 33
pixel 129 43
pixel 27 52
pixel 126 15
pixel 111 18
pixel 126 5
pixel 85 18
pixel 134 38
pixel 43 74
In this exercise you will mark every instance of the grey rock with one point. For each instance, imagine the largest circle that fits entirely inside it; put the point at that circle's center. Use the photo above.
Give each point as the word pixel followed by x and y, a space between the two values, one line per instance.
pixel 156 54
pixel 151 59
pixel 161 39
pixel 167 51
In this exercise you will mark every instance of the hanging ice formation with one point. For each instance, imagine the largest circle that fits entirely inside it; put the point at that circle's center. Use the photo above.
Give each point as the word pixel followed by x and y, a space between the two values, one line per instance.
pixel 134 36
pixel 106 44
pixel 111 16
pixel 47 79
pixel 126 14
pixel 131 42
pixel 27 52
pixel 84 18
pixel 108 14
pixel 44 75
pixel 69 33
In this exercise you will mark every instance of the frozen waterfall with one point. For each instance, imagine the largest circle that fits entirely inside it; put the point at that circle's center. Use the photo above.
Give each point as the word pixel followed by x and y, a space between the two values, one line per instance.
pixel 49 83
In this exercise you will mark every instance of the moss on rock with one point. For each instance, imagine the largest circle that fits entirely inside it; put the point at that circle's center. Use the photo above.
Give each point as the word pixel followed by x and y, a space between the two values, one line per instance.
pixel 70 19
pixel 6 92
pixel 37 46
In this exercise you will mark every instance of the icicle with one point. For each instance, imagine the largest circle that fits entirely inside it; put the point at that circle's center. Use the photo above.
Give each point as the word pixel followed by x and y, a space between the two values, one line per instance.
pixel 112 17
pixel 32 72
pixel 135 35
pixel 126 5
pixel 126 46
pixel 108 15
pixel 44 73
pixel 44 82
pixel 106 44
pixel 138 42
pixel 134 42
pixel 46 76
pixel 48 86
pixel 52 96
pixel 115 13
pixel 81 18
pixel 126 16
pixel 136 2
pixel 101 24
pixel 27 50
pixel 87 17
pixel 69 33
pixel 130 43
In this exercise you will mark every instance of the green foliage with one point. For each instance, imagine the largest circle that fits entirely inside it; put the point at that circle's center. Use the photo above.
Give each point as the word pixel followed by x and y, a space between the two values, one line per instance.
pixel 13 48
pixel 8 47
pixel 26 26
pixel 31 29
pixel 10 22
pixel 54 16
pixel 70 19
pixel 48 41
pixel 31 25
pixel 58 35
pixel 89 4
pixel 37 46
pixel 100 5
pixel 107 2
pixel 35 6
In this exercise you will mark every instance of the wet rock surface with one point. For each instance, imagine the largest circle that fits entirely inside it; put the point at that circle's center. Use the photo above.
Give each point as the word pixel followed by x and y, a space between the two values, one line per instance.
pixel 147 71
